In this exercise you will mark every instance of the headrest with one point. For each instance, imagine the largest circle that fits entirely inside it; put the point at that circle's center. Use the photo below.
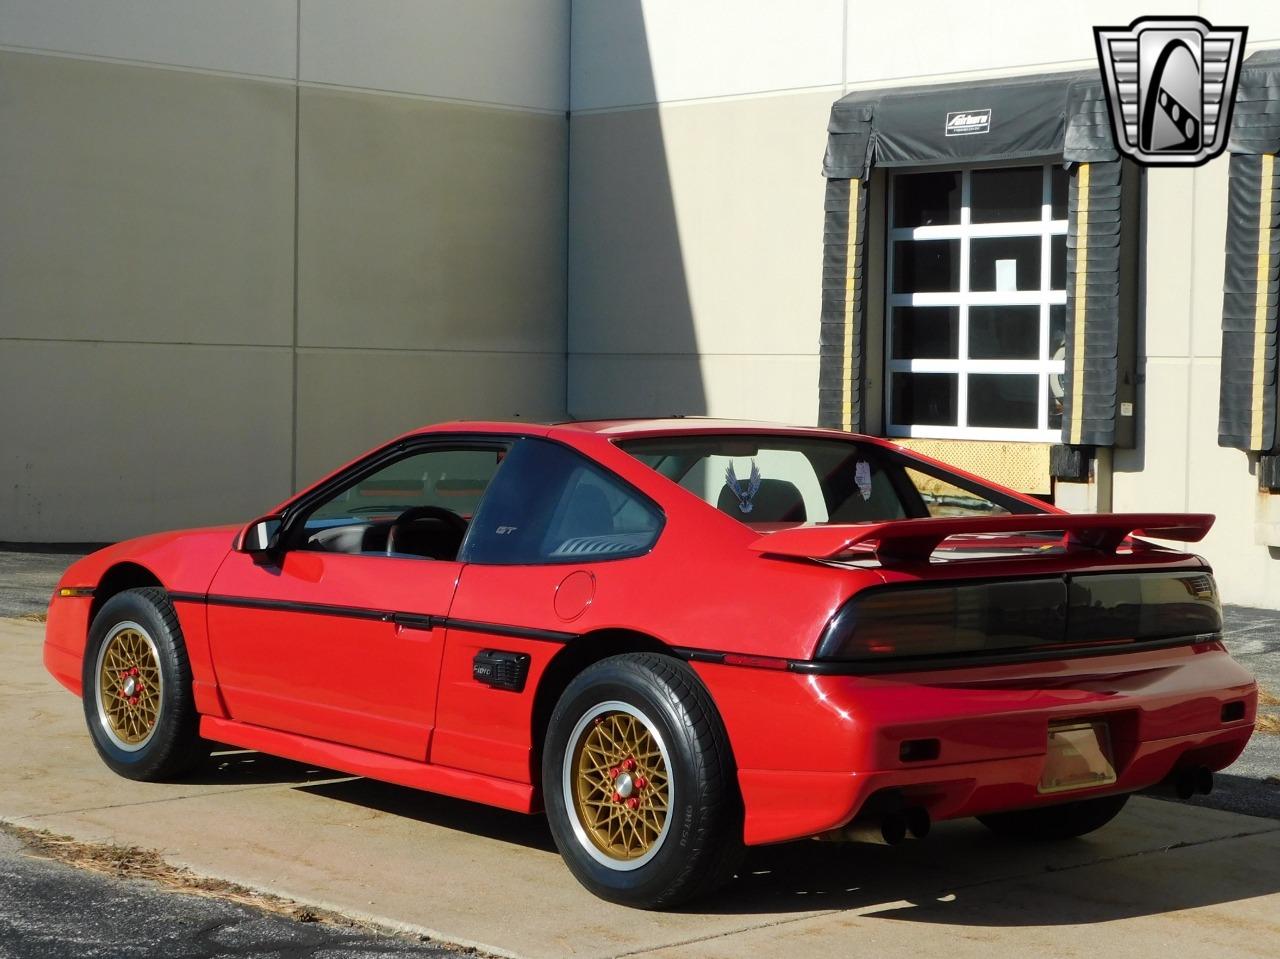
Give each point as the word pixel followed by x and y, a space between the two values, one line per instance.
pixel 777 501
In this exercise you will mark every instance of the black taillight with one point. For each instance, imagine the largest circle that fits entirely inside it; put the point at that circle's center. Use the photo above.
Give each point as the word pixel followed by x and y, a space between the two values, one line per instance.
pixel 974 618
pixel 1143 606
pixel 938 621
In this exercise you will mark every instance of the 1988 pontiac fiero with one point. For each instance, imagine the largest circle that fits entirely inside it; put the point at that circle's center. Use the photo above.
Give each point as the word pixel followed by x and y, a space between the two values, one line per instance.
pixel 677 637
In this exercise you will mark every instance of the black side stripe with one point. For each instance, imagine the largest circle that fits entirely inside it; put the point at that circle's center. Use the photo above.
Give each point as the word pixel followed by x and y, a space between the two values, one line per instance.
pixel 285 606
pixel 516 632
pixel 414 620
pixel 419 621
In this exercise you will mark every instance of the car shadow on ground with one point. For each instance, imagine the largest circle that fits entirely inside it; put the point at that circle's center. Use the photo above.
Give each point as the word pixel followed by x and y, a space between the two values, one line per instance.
pixel 232 766
pixel 960 875
pixel 965 876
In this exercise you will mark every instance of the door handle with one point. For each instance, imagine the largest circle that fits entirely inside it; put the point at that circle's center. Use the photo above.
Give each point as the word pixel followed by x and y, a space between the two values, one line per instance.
pixel 413 621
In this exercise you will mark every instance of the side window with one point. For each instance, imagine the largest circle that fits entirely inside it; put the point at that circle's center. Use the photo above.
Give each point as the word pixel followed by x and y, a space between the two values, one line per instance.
pixel 454 479
pixel 551 505
pixel 417 506
pixel 942 498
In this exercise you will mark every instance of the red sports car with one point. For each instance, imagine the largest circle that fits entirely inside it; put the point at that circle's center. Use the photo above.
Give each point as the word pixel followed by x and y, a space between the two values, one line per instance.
pixel 677 637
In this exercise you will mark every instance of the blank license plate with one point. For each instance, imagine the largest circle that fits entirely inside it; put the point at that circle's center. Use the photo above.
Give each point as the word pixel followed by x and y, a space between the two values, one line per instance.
pixel 1078 757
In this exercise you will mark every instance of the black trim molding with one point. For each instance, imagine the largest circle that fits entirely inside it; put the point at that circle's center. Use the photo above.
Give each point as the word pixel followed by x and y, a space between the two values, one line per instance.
pixel 400 618
pixel 909 664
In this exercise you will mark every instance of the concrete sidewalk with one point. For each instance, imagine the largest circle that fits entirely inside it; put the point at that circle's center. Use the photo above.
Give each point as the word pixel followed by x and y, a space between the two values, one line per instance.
pixel 1163 877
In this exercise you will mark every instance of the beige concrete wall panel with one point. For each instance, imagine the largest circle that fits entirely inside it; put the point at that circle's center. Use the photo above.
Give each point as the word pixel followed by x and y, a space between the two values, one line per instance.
pixel 238 36
pixel 512 52
pixel 104 441
pixel 933 38
pixel 627 289
pixel 678 245
pixel 351 400
pixel 1206 237
pixel 144 205
pixel 651 51
pixel 1219 483
pixel 1154 477
pixel 1181 467
pixel 1168 266
pixel 1262 17
pixel 781 389
pixel 428 225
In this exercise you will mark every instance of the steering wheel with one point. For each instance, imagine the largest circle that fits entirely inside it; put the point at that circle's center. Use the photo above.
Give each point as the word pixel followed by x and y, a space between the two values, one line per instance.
pixel 447 516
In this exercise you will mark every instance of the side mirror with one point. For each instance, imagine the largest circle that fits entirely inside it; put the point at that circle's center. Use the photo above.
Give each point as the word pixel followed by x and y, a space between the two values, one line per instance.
pixel 260 536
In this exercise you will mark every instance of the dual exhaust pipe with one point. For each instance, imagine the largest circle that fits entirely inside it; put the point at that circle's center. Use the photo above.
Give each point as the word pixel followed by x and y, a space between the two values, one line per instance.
pixel 891 828
pixel 888 829
pixel 1187 782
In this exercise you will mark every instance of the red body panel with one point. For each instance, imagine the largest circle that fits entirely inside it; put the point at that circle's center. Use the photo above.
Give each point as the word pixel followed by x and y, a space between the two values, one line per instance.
pixel 327 676
pixel 182 562
pixel 809 766
pixel 362 762
pixel 364 682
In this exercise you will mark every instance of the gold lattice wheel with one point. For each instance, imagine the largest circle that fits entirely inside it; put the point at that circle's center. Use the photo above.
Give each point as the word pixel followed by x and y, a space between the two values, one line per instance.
pixel 617 775
pixel 129 686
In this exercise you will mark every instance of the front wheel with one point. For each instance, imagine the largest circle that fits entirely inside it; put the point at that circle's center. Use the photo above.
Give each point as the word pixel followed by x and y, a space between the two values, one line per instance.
pixel 639 783
pixel 137 688
pixel 1064 821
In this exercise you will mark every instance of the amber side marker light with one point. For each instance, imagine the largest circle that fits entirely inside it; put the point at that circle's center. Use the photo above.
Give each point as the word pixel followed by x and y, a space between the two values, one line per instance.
pixel 66 591
pixel 760 662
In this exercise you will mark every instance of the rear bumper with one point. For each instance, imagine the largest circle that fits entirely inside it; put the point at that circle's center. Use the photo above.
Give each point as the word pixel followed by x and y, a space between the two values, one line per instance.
pixel 812 750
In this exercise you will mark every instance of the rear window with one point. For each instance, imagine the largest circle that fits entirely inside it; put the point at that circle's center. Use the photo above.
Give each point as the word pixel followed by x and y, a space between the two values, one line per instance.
pixel 768 480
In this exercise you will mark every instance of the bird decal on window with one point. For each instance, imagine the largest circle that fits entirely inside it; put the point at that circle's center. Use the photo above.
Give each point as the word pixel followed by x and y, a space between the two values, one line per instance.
pixel 753 486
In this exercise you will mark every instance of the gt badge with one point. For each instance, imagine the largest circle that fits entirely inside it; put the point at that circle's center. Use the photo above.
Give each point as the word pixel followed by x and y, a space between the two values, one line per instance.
pixel 745 496
pixel 1171 87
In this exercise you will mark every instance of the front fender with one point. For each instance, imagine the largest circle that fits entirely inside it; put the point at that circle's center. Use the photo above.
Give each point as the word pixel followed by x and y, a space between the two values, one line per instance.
pixel 180 562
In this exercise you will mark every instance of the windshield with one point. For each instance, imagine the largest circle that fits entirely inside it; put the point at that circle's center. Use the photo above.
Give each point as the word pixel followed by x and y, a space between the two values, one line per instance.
pixel 767 480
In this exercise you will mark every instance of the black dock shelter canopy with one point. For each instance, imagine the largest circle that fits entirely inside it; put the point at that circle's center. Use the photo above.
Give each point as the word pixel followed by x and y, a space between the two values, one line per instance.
pixel 1048 117
pixel 1054 115
pixel 1249 395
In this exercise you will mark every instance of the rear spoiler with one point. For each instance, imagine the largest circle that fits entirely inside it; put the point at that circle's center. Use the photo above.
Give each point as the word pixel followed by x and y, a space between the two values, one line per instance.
pixel 914 540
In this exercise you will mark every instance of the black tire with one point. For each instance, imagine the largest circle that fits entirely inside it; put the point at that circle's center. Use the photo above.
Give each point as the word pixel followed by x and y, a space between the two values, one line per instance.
pixel 1063 821
pixel 173 745
pixel 701 842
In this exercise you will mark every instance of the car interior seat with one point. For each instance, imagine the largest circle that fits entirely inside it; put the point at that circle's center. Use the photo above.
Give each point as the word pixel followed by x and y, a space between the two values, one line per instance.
pixel 776 501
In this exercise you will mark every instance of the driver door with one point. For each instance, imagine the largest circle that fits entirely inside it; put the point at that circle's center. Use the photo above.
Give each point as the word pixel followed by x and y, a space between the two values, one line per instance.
pixel 338 635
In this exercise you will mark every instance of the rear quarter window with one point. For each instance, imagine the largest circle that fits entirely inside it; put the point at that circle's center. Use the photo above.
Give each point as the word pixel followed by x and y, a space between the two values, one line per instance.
pixel 549 504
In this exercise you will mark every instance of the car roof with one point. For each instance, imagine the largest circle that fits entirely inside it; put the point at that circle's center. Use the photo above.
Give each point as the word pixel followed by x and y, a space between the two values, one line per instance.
pixel 631 427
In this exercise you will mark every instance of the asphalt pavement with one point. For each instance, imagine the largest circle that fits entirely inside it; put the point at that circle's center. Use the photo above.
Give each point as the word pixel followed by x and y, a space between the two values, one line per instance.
pixel 29 573
pixel 50 911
